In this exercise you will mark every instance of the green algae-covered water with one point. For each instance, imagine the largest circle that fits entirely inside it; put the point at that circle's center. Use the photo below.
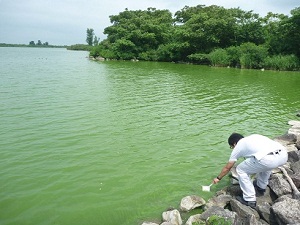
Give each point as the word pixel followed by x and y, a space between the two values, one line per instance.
pixel 108 143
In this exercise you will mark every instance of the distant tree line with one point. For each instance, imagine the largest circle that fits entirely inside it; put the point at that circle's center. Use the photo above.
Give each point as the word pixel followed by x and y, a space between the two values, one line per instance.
pixel 204 35
pixel 45 45
pixel 39 43
pixel 80 47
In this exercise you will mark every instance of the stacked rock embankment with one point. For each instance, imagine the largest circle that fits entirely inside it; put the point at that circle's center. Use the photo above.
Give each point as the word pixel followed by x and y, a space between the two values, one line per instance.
pixel 280 205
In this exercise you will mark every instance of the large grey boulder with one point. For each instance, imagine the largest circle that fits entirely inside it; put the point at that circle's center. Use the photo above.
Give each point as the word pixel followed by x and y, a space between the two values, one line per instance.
pixel 288 138
pixel 295 191
pixel 293 156
pixel 279 185
pixel 296 167
pixel 264 211
pixel 194 219
pixel 295 129
pixel 287 210
pixel 296 179
pixel 173 217
pixel 242 211
pixel 288 141
pixel 297 145
pixel 248 220
pixel 191 202
pixel 218 211
pixel 220 200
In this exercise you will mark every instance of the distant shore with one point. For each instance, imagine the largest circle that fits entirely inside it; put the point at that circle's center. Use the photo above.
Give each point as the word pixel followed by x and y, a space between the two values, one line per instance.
pixel 33 46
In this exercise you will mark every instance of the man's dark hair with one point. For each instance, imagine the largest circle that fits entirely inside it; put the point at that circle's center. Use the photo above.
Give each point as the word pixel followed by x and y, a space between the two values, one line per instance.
pixel 234 138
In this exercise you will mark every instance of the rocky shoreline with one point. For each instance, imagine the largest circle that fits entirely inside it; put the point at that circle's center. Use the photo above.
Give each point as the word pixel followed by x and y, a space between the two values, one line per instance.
pixel 280 205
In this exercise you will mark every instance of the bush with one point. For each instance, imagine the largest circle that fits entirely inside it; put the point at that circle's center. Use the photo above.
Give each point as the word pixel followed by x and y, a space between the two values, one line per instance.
pixel 252 56
pixel 150 55
pixel 199 58
pixel 124 49
pixel 172 52
pixel 234 54
pixel 80 47
pixel 95 51
pixel 165 53
pixel 280 62
pixel 108 54
pixel 219 57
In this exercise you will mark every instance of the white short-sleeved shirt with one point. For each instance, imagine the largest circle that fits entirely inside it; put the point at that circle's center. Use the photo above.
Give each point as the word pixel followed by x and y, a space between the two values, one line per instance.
pixel 254 145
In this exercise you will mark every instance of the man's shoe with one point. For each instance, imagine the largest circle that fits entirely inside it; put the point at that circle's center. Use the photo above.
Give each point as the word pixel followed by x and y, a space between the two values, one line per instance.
pixel 252 204
pixel 259 191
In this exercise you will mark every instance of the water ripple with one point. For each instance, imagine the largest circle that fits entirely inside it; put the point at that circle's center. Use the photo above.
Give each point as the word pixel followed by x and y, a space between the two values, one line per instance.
pixel 77 136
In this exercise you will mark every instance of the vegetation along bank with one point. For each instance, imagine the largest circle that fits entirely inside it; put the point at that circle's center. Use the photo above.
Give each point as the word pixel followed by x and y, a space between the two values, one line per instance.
pixel 210 35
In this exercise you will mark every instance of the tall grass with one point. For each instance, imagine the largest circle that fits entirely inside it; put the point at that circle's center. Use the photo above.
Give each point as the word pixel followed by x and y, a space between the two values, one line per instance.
pixel 199 58
pixel 219 57
pixel 252 56
pixel 247 55
pixel 282 62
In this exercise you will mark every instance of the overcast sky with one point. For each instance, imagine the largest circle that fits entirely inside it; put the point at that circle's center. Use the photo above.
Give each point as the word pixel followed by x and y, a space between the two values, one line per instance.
pixel 64 22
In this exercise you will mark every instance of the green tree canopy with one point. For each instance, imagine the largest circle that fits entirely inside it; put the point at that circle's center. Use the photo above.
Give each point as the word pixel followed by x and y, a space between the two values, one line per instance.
pixel 205 28
pixel 232 36
pixel 96 40
pixel 292 35
pixel 138 31
pixel 90 36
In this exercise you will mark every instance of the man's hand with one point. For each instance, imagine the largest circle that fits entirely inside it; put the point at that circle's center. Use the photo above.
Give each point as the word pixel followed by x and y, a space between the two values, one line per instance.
pixel 215 180
pixel 224 171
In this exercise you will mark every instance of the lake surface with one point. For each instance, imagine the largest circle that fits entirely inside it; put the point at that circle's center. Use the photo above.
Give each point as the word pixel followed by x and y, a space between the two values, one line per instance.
pixel 86 142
